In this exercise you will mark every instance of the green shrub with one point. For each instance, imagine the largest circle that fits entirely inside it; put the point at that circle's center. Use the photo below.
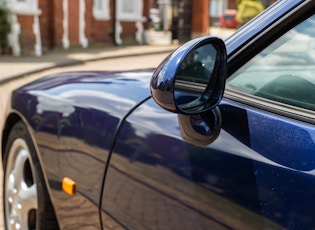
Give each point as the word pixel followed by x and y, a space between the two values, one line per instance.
pixel 4 27
pixel 247 9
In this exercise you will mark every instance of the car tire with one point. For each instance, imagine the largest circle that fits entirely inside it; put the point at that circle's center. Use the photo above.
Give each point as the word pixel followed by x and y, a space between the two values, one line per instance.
pixel 25 198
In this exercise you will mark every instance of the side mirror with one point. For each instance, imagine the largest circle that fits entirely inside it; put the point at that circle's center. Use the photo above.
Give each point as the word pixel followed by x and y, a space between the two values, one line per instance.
pixel 192 79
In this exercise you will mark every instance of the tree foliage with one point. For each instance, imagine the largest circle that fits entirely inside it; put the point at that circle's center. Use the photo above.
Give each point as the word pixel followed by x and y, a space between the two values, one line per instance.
pixel 248 9
pixel 4 27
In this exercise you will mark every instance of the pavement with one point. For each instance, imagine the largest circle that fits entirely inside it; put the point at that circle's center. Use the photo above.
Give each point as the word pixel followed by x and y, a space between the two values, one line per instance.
pixel 12 68
pixel 15 67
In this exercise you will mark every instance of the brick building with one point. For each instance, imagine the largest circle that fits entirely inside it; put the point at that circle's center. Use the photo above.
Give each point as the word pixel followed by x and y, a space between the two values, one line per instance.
pixel 41 25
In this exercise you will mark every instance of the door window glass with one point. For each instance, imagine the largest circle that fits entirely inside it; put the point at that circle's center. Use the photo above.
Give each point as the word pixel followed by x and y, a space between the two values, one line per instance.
pixel 284 71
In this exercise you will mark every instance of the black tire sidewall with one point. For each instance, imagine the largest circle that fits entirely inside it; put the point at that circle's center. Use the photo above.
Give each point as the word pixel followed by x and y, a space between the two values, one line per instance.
pixel 45 218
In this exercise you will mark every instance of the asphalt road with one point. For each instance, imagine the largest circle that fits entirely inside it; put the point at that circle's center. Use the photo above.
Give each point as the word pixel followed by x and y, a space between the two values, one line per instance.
pixel 129 63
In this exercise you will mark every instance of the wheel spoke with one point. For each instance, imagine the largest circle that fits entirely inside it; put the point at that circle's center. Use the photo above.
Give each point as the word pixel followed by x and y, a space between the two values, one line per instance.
pixel 14 224
pixel 20 197
pixel 10 184
pixel 19 224
pixel 21 176
pixel 18 169
pixel 28 196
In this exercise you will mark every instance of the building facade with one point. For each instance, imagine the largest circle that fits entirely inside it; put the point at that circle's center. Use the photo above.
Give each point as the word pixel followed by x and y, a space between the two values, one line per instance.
pixel 218 7
pixel 41 25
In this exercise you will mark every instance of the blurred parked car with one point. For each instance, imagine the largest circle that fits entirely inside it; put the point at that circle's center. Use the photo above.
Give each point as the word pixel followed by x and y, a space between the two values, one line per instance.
pixel 219 136
pixel 228 19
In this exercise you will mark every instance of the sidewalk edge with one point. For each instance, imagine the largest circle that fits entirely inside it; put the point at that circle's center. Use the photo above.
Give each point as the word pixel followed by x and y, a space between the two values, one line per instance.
pixel 80 62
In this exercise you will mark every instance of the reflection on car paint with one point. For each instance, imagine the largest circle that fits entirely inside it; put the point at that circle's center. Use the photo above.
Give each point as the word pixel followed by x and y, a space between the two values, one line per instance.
pixel 64 114
pixel 155 177
pixel 175 183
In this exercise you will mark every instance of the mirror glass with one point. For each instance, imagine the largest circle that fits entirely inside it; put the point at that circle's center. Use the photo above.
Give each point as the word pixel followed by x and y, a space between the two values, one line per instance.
pixel 193 76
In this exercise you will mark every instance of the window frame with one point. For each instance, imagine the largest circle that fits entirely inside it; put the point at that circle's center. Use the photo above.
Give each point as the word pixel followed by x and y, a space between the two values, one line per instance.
pixel 250 48
pixel 135 15
pixel 102 13
pixel 218 7
pixel 269 74
pixel 25 7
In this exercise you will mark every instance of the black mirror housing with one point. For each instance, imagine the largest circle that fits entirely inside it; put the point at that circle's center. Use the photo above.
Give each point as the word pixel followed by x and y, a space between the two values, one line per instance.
pixel 191 80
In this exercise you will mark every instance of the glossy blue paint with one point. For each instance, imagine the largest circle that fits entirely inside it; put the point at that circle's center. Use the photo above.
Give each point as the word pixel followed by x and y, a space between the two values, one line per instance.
pixel 155 178
pixel 74 118
pixel 286 143
pixel 103 129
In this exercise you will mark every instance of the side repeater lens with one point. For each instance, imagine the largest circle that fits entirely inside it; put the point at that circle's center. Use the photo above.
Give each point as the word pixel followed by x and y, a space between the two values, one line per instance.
pixel 69 186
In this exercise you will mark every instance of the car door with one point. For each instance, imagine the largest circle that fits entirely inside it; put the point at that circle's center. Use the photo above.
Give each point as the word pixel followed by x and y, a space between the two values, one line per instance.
pixel 258 170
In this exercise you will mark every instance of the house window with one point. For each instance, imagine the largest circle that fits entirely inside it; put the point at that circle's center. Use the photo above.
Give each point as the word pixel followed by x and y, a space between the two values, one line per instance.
pixel 129 10
pixel 23 6
pixel 101 9
pixel 217 7
pixel 128 7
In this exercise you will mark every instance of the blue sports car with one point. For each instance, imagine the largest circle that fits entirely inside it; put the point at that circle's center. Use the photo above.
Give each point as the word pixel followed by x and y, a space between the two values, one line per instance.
pixel 220 136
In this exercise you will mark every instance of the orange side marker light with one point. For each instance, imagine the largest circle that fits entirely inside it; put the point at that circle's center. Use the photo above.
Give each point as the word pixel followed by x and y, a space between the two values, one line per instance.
pixel 69 186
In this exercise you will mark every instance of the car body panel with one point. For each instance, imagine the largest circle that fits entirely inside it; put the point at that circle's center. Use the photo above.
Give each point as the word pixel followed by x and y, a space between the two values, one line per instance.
pixel 64 112
pixel 134 168
pixel 240 181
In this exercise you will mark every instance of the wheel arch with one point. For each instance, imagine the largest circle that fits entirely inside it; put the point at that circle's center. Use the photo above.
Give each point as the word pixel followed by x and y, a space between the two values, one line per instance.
pixel 10 121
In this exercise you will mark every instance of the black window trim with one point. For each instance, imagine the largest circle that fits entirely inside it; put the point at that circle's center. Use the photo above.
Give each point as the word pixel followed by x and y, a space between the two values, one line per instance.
pixel 248 49
pixel 263 40
pixel 275 107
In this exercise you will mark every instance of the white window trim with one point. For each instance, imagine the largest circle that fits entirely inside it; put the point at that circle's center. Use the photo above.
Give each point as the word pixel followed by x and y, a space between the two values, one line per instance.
pixel 83 39
pixel 14 35
pixel 136 15
pixel 104 12
pixel 65 36
pixel 29 7
pixel 38 40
